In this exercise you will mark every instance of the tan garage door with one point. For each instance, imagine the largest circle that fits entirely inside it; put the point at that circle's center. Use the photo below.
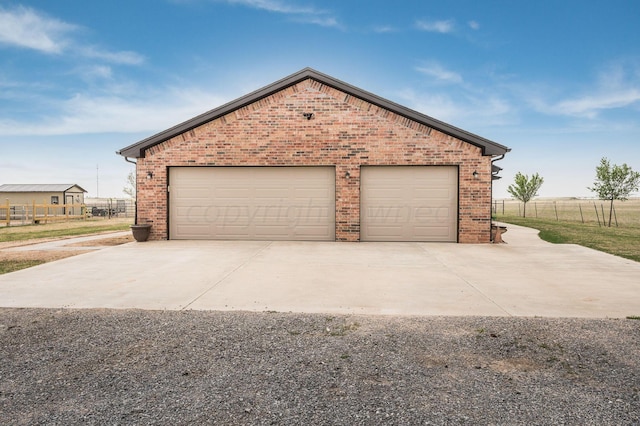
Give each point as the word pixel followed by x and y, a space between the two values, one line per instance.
pixel 409 203
pixel 252 203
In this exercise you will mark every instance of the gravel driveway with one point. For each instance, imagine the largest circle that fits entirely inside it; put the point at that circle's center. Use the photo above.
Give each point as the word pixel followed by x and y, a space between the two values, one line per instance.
pixel 61 367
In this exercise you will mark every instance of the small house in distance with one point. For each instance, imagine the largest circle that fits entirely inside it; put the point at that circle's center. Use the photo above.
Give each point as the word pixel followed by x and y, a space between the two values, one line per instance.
pixel 44 193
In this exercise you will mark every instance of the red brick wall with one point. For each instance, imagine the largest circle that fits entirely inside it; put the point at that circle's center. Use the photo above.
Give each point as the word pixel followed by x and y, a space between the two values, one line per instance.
pixel 345 132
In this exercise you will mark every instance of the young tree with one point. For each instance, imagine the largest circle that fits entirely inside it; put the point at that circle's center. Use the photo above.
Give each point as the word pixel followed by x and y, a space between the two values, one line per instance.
pixel 614 182
pixel 525 188
pixel 130 188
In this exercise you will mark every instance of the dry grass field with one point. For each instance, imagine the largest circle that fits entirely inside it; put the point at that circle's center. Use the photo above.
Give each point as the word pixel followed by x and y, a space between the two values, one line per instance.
pixel 573 210
pixel 577 221
pixel 16 236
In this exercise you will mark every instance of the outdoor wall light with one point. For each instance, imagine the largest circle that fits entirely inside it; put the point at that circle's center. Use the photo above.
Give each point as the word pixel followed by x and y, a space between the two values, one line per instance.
pixel 149 175
pixel 307 115
pixel 347 175
pixel 475 174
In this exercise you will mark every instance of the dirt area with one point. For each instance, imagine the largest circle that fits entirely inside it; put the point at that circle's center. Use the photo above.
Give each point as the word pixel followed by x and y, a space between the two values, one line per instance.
pixel 101 242
pixel 52 255
pixel 115 241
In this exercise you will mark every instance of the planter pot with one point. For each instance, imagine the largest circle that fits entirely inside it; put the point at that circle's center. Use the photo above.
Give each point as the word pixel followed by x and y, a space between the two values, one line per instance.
pixel 496 233
pixel 141 232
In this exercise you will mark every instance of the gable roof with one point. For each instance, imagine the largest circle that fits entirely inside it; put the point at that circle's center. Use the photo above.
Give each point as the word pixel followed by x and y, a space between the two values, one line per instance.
pixel 39 187
pixel 489 148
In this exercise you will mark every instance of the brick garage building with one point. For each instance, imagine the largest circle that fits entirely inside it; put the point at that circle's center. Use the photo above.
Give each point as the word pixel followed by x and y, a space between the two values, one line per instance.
pixel 310 157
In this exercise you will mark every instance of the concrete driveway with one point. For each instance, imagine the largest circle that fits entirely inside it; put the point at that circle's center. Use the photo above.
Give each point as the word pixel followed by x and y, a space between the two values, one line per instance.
pixel 525 277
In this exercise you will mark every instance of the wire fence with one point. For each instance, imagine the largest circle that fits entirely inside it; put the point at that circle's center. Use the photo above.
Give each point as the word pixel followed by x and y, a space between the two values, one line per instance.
pixel 110 207
pixel 624 213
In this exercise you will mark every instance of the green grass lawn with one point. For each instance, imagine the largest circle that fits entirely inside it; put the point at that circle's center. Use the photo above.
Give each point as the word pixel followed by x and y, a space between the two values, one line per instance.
pixel 7 266
pixel 619 241
pixel 66 229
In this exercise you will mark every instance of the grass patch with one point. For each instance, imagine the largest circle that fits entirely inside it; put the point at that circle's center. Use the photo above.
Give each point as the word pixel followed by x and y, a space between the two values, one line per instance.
pixel 7 266
pixel 343 329
pixel 621 241
pixel 68 229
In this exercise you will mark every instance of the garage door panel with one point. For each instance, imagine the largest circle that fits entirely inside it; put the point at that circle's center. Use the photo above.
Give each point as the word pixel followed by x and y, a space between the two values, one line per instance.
pixel 320 232
pixel 432 193
pixel 194 192
pixel 230 193
pixel 384 231
pixel 270 231
pixel 311 194
pixel 430 231
pixel 384 215
pixel 238 232
pixel 264 203
pixel 194 231
pixel 271 192
pixel 409 203
pixel 385 193
pixel 432 214
pixel 311 214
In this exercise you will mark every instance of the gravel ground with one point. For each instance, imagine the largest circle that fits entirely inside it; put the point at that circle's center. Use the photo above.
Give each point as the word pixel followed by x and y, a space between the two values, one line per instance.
pixel 61 367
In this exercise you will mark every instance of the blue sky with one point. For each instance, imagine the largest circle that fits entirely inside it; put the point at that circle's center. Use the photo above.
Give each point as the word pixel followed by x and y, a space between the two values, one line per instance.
pixel 557 81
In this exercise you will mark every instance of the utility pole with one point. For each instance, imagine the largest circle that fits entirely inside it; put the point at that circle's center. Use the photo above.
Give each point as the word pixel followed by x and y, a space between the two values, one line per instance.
pixel 97 183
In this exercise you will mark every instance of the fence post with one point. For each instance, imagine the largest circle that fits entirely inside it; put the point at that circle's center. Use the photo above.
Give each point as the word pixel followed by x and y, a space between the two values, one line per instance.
pixel 604 222
pixel 33 213
pixel 8 218
pixel 581 216
pixel 614 214
pixel 597 217
pixel 555 207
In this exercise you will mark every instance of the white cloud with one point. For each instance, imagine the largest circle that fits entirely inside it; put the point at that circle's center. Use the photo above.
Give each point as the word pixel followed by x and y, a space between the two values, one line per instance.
pixel 617 87
pixel 91 73
pixel 384 29
pixel 318 20
pixel 274 6
pixel 438 106
pixel 122 57
pixel 591 105
pixel 465 111
pixel 26 28
pixel 440 73
pixel 304 14
pixel 474 25
pixel 118 113
pixel 443 27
